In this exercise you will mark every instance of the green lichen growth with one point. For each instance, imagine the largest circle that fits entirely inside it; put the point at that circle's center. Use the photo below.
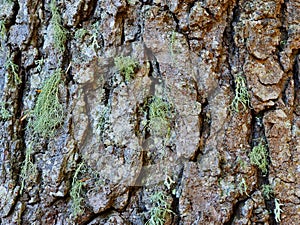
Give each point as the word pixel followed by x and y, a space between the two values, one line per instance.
pixel 2 29
pixel 172 45
pixel 267 191
pixel 259 157
pixel 242 186
pixel 28 169
pixel 277 210
pixel 13 70
pixel 103 119
pixel 4 113
pixel 48 112
pixel 242 96
pixel 126 65
pixel 39 64
pixel 160 116
pixel 76 192
pixel 159 210
pixel 95 34
pixel 59 32
pixel 80 33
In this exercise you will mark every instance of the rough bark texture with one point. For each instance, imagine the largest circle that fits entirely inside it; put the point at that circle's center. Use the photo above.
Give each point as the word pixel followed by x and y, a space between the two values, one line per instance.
pixel 114 142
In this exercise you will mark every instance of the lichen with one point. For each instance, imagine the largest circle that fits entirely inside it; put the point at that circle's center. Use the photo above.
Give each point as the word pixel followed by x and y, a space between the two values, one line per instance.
pixel 76 191
pixel 126 65
pixel 59 32
pixel 259 157
pixel 48 112
pixel 160 116
pixel 242 96
pixel 159 210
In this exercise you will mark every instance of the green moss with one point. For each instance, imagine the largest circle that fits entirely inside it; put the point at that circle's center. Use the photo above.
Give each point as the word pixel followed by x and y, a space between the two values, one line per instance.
pixel 76 192
pixel 267 191
pixel 259 157
pixel 159 210
pixel 159 122
pixel 60 33
pixel 242 96
pixel 28 169
pixel 126 66
pixel 13 70
pixel 48 112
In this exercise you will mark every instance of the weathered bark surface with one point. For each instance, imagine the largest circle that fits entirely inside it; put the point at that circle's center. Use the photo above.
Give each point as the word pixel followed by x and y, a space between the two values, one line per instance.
pixel 189 55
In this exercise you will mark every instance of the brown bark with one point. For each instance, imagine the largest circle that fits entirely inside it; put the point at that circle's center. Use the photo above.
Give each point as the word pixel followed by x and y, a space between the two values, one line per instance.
pixel 187 109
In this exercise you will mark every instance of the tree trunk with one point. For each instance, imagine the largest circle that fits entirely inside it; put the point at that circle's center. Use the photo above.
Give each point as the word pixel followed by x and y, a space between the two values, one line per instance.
pixel 150 112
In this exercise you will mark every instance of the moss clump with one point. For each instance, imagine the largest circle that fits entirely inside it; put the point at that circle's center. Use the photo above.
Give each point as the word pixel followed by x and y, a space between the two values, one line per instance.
pixel 76 191
pixel 242 96
pixel 160 209
pixel 60 33
pixel 259 157
pixel 48 112
pixel 126 66
pixel 159 122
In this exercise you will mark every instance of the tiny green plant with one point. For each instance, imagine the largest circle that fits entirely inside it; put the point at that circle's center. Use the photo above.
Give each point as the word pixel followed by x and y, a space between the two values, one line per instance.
pixel 13 70
pixel 4 113
pixel 28 169
pixel 60 33
pixel 76 192
pixel 277 210
pixel 161 208
pixel 267 191
pixel 242 96
pixel 126 65
pixel 160 115
pixel 48 111
pixel 259 157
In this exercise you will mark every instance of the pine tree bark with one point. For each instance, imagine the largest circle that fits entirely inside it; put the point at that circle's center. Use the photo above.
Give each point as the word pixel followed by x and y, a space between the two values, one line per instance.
pixel 150 112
